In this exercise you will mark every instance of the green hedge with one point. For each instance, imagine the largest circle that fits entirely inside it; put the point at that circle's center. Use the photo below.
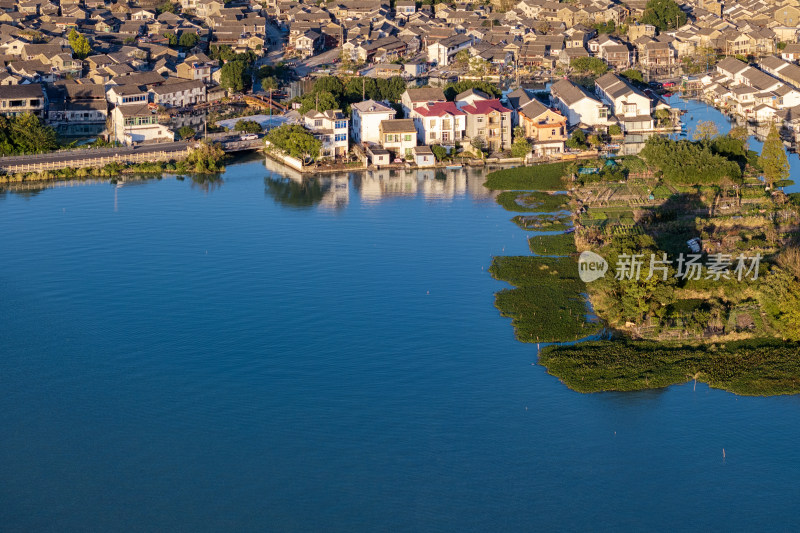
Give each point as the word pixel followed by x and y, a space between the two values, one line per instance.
pixel 539 177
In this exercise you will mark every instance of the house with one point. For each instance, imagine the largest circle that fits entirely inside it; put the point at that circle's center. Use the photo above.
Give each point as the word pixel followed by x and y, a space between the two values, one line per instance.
pixel 399 136
pixel 404 8
pixel 179 93
pixel 22 99
pixel 577 105
pixel 631 107
pixel 413 98
pixel 136 123
pixel 366 120
pixel 127 94
pixel 331 128
pixel 195 67
pixel 544 127
pixel 378 156
pixel 423 156
pixel 443 52
pixel 439 123
pixel 791 52
pixel 488 120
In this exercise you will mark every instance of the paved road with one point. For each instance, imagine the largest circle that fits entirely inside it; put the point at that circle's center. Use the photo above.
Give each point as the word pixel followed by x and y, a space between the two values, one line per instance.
pixel 73 155
pixel 304 67
pixel 231 140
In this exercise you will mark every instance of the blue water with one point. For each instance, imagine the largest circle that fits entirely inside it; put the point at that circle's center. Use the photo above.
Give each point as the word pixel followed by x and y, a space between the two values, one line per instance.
pixel 188 357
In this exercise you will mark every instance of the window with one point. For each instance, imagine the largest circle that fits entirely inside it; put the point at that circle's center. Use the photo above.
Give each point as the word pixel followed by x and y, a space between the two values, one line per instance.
pixel 602 112
pixel 480 120
pixel 446 124
pixel 340 124
pixel 407 137
pixel 318 123
pixel 341 137
pixel 432 123
pixel 552 132
pixel 433 135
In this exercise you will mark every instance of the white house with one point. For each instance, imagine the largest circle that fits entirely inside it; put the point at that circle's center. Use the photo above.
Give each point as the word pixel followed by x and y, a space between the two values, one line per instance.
pixel 367 117
pixel 331 128
pixel 423 156
pixel 442 52
pixel 181 93
pixel 136 123
pixel 439 123
pixel 632 108
pixel 126 94
pixel 578 105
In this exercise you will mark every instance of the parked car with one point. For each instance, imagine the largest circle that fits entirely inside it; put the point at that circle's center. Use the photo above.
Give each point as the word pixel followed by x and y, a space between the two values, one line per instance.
pixel 249 137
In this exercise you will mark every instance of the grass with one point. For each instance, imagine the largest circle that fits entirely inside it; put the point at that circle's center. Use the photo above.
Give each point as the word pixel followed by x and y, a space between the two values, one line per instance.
pixel 753 368
pixel 542 202
pixel 546 304
pixel 563 244
pixel 543 222
pixel 538 177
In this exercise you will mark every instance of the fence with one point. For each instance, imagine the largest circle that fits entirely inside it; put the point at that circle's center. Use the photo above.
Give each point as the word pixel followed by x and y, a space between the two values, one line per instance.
pixel 136 157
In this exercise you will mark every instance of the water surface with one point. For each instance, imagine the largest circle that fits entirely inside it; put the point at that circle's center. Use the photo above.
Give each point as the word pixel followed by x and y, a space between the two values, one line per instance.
pixel 252 355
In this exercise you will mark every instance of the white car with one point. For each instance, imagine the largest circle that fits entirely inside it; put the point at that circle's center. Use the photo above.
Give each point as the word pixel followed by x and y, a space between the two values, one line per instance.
pixel 249 137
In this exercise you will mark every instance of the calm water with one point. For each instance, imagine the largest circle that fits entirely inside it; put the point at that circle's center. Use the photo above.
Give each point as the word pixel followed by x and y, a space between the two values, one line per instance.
pixel 251 356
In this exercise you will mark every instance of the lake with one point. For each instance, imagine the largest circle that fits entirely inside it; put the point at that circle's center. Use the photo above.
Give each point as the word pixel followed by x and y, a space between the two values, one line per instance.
pixel 255 354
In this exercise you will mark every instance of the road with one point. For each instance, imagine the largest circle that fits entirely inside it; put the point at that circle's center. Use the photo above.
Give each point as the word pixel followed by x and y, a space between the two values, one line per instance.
pixel 89 153
pixel 305 67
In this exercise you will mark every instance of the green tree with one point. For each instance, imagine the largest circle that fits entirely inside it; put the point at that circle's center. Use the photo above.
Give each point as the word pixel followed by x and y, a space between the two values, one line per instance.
pixel 614 129
pixel 295 140
pixel 186 132
pixel 439 152
pixel 663 14
pixel 248 126
pixel 330 84
pixel 172 39
pixel 739 133
pixel 321 101
pixel 26 134
pixel 633 75
pixel 233 76
pixel 168 7
pixel 188 39
pixel 594 65
pixel 462 58
pixel 773 158
pixel 79 44
pixel 577 141
pixel 521 147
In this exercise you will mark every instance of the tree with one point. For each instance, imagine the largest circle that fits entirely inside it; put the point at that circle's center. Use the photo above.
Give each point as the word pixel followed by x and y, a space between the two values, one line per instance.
pixel 26 134
pixel 577 141
pixel 614 129
pixel 740 134
pixel 663 116
pixel 188 39
pixel 330 84
pixel 462 58
pixel 168 7
pixel 295 140
pixel 79 44
pixel 478 66
pixel 705 130
pixel 663 14
pixel 633 75
pixel 248 126
pixel 233 76
pixel 478 143
pixel 172 39
pixel 773 158
pixel 186 132
pixel 594 65
pixel 595 141
pixel 321 101
pixel 521 147
pixel 451 90
pixel 439 152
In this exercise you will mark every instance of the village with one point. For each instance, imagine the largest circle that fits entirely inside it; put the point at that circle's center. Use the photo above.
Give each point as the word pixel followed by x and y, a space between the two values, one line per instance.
pixel 402 82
